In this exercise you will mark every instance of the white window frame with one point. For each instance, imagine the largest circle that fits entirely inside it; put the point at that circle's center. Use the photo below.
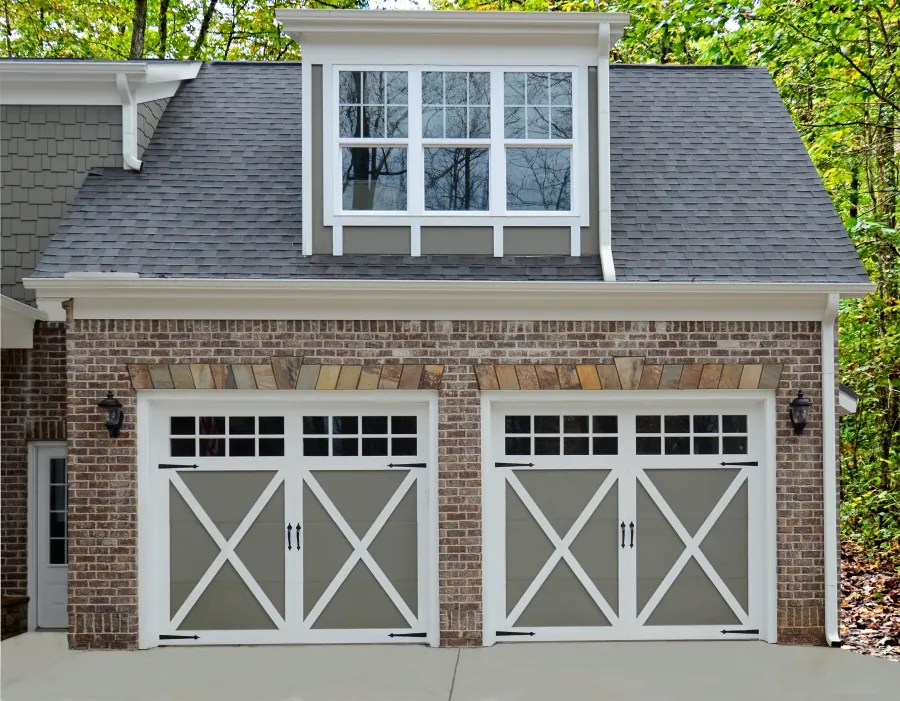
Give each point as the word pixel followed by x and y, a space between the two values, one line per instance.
pixel 497 214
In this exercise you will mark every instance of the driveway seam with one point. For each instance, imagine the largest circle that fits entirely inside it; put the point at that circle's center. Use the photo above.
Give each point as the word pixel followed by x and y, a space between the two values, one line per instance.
pixel 453 680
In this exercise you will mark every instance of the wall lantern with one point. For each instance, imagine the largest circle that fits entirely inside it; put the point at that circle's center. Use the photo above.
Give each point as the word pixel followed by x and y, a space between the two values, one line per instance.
pixel 799 409
pixel 114 414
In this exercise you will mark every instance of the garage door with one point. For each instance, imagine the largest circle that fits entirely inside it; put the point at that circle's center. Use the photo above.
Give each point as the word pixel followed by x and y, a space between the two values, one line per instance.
pixel 284 523
pixel 609 521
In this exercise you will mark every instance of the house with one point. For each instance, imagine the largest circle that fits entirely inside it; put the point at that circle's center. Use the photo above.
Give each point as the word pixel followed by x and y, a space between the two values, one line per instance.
pixel 454 334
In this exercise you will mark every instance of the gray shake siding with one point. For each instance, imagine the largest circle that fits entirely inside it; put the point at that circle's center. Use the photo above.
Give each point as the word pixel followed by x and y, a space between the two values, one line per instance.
pixel 148 116
pixel 45 153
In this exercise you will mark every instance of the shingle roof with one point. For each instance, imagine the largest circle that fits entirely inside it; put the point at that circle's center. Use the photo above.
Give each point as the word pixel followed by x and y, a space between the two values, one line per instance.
pixel 710 181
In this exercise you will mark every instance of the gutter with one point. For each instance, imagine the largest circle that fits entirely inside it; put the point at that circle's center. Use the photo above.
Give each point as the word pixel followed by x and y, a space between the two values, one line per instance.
pixel 829 473
pixel 605 214
pixel 129 124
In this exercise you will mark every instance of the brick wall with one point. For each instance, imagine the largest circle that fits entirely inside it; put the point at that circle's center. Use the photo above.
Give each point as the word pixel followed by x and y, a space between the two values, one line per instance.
pixel 45 153
pixel 103 499
pixel 33 401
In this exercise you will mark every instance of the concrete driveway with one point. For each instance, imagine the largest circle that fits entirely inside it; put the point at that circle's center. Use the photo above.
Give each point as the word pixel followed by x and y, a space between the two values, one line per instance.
pixel 38 667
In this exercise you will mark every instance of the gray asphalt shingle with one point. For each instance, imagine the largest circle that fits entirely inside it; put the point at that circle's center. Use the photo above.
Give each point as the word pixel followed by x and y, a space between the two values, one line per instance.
pixel 710 181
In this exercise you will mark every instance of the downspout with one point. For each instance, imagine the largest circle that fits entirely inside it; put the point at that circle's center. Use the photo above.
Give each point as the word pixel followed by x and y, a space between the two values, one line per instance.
pixel 129 124
pixel 829 469
pixel 605 224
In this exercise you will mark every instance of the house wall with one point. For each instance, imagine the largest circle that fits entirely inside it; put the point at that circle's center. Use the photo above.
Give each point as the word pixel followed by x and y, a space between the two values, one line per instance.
pixel 33 407
pixel 103 485
pixel 528 241
pixel 45 153
pixel 148 116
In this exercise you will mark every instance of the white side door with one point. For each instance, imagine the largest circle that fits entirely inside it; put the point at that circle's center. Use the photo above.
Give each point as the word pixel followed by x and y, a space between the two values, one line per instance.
pixel 51 552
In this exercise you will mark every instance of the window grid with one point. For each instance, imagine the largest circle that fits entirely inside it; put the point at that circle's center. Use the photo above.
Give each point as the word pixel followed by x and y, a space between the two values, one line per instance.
pixel 58 552
pixel 691 434
pixel 235 436
pixel 561 434
pixel 355 436
pixel 557 154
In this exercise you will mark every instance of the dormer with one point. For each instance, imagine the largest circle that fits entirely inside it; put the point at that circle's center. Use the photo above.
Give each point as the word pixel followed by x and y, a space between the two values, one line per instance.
pixel 456 132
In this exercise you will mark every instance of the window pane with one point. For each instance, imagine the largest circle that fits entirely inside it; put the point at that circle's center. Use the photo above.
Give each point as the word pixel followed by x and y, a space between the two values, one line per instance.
pixel 397 123
pixel 455 88
pixel 242 425
pixel 374 446
pixel 538 179
pixel 58 498
pixel 678 424
pixel 546 424
pixel 271 447
pixel 536 89
pixel 57 524
pixel 212 447
pixel 561 88
pixel 514 88
pixel 576 445
pixel 346 425
pixel 350 121
pixel 315 424
pixel 373 121
pixel 518 424
pixel 734 424
pixel 373 88
pixel 514 122
pixel 183 447
pixel 375 424
pixel 242 447
pixel 706 424
pixel 647 445
pixel 708 445
pixel 315 446
pixel 350 87
pixel 403 424
pixel 57 551
pixel 546 446
pixel 57 470
pixel 537 122
pixel 606 424
pixel 212 425
pixel 480 89
pixel 479 122
pixel 432 122
pixel 575 424
pixel 182 426
pixel 518 446
pixel 647 424
pixel 271 424
pixel 678 445
pixel 345 446
pixel 561 123
pixel 734 445
pixel 396 88
pixel 456 179
pixel 403 446
pixel 374 178
pixel 606 446
pixel 457 123
pixel 432 88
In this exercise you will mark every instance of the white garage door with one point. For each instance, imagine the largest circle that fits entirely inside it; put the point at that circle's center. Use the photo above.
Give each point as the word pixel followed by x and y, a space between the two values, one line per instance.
pixel 609 521
pixel 289 522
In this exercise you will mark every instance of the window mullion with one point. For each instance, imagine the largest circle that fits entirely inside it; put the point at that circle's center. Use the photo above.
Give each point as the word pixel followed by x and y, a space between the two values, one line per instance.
pixel 415 155
pixel 497 158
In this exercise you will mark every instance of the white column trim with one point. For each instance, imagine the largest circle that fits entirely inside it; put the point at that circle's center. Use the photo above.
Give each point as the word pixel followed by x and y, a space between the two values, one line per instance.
pixel 605 213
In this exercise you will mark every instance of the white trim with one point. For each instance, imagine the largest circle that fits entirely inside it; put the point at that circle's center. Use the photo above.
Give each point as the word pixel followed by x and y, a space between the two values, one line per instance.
pixel 604 44
pixel 61 82
pixel 130 160
pixel 829 473
pixel 100 297
pixel 575 241
pixel 498 240
pixel 337 240
pixel 415 240
pixel 431 614
pixel 147 522
pixel 17 323
pixel 306 179
pixel 769 625
pixel 846 403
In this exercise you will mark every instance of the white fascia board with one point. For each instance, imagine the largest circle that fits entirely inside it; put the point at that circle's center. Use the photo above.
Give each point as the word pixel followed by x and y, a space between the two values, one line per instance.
pixel 846 404
pixel 403 25
pixel 17 323
pixel 89 82
pixel 198 298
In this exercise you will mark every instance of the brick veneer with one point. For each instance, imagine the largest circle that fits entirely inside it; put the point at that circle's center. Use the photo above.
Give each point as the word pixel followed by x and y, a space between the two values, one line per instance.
pixel 102 488
pixel 33 401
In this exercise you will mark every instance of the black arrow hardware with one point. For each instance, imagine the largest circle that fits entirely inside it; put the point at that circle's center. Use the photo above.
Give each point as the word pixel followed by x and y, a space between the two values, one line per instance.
pixel 289 529
pixel 623 533
pixel 407 464
pixel 179 637
pixel 754 463
pixel 177 467
pixel 631 526
pixel 513 464
pixel 407 635
pixel 514 632
pixel 298 536
pixel 755 631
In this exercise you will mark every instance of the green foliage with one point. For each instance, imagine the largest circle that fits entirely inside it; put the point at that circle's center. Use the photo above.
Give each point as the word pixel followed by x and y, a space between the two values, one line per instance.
pixel 836 63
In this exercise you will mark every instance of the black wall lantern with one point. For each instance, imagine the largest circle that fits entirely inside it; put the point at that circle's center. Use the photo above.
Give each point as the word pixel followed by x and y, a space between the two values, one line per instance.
pixel 114 414
pixel 799 410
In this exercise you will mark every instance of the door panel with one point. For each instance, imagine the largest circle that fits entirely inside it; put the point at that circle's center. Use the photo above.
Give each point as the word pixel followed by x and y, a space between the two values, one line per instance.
pixel 692 600
pixel 658 547
pixel 562 601
pixel 527 548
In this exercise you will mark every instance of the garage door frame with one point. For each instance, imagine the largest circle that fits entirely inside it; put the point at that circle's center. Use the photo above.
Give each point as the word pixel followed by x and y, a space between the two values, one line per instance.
pixel 493 563
pixel 148 541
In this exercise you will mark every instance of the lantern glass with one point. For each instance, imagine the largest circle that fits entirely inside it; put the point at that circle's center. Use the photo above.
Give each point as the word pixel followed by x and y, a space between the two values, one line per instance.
pixel 799 412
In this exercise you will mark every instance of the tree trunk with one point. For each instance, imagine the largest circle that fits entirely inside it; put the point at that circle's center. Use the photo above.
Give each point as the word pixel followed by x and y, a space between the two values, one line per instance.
pixel 8 29
pixel 138 27
pixel 163 27
pixel 204 29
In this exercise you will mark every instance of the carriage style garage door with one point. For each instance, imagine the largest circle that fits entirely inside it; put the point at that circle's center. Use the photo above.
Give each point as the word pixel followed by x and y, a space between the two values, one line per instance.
pixel 608 521
pixel 288 522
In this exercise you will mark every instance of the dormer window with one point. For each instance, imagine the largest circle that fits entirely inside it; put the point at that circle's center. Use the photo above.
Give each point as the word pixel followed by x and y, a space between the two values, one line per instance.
pixel 473 143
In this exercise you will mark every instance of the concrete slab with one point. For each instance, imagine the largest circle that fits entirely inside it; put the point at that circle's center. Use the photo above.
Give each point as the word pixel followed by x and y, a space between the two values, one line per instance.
pixel 676 671
pixel 39 668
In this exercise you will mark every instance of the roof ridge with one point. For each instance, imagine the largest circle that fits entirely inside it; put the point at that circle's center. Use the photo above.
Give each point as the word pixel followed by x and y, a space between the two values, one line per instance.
pixel 676 66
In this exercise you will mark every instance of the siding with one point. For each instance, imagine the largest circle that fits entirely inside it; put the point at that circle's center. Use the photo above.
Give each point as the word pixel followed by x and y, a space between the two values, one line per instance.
pixel 45 153
pixel 148 116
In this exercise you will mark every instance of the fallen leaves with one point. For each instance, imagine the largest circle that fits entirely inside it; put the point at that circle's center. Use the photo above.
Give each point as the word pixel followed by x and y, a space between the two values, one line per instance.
pixel 870 604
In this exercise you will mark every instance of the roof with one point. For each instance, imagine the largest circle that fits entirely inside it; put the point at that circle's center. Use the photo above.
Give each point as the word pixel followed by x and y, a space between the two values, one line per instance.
pixel 710 182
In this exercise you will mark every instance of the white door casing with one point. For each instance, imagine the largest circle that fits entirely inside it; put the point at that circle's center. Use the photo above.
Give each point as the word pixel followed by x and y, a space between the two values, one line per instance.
pixel 48 571
pixel 277 604
pixel 730 488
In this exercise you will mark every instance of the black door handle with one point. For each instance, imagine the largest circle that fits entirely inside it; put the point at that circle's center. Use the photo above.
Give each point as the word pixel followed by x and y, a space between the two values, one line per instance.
pixel 289 536
pixel 298 536
pixel 623 533
pixel 630 525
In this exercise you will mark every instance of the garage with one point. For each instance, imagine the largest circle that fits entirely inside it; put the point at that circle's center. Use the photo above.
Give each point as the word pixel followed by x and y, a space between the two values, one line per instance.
pixel 287 520
pixel 620 520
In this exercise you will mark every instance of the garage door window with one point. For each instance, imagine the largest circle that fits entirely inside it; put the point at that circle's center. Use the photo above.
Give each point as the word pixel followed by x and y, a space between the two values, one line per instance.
pixel 691 434
pixel 351 436
pixel 226 436
pixel 561 435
